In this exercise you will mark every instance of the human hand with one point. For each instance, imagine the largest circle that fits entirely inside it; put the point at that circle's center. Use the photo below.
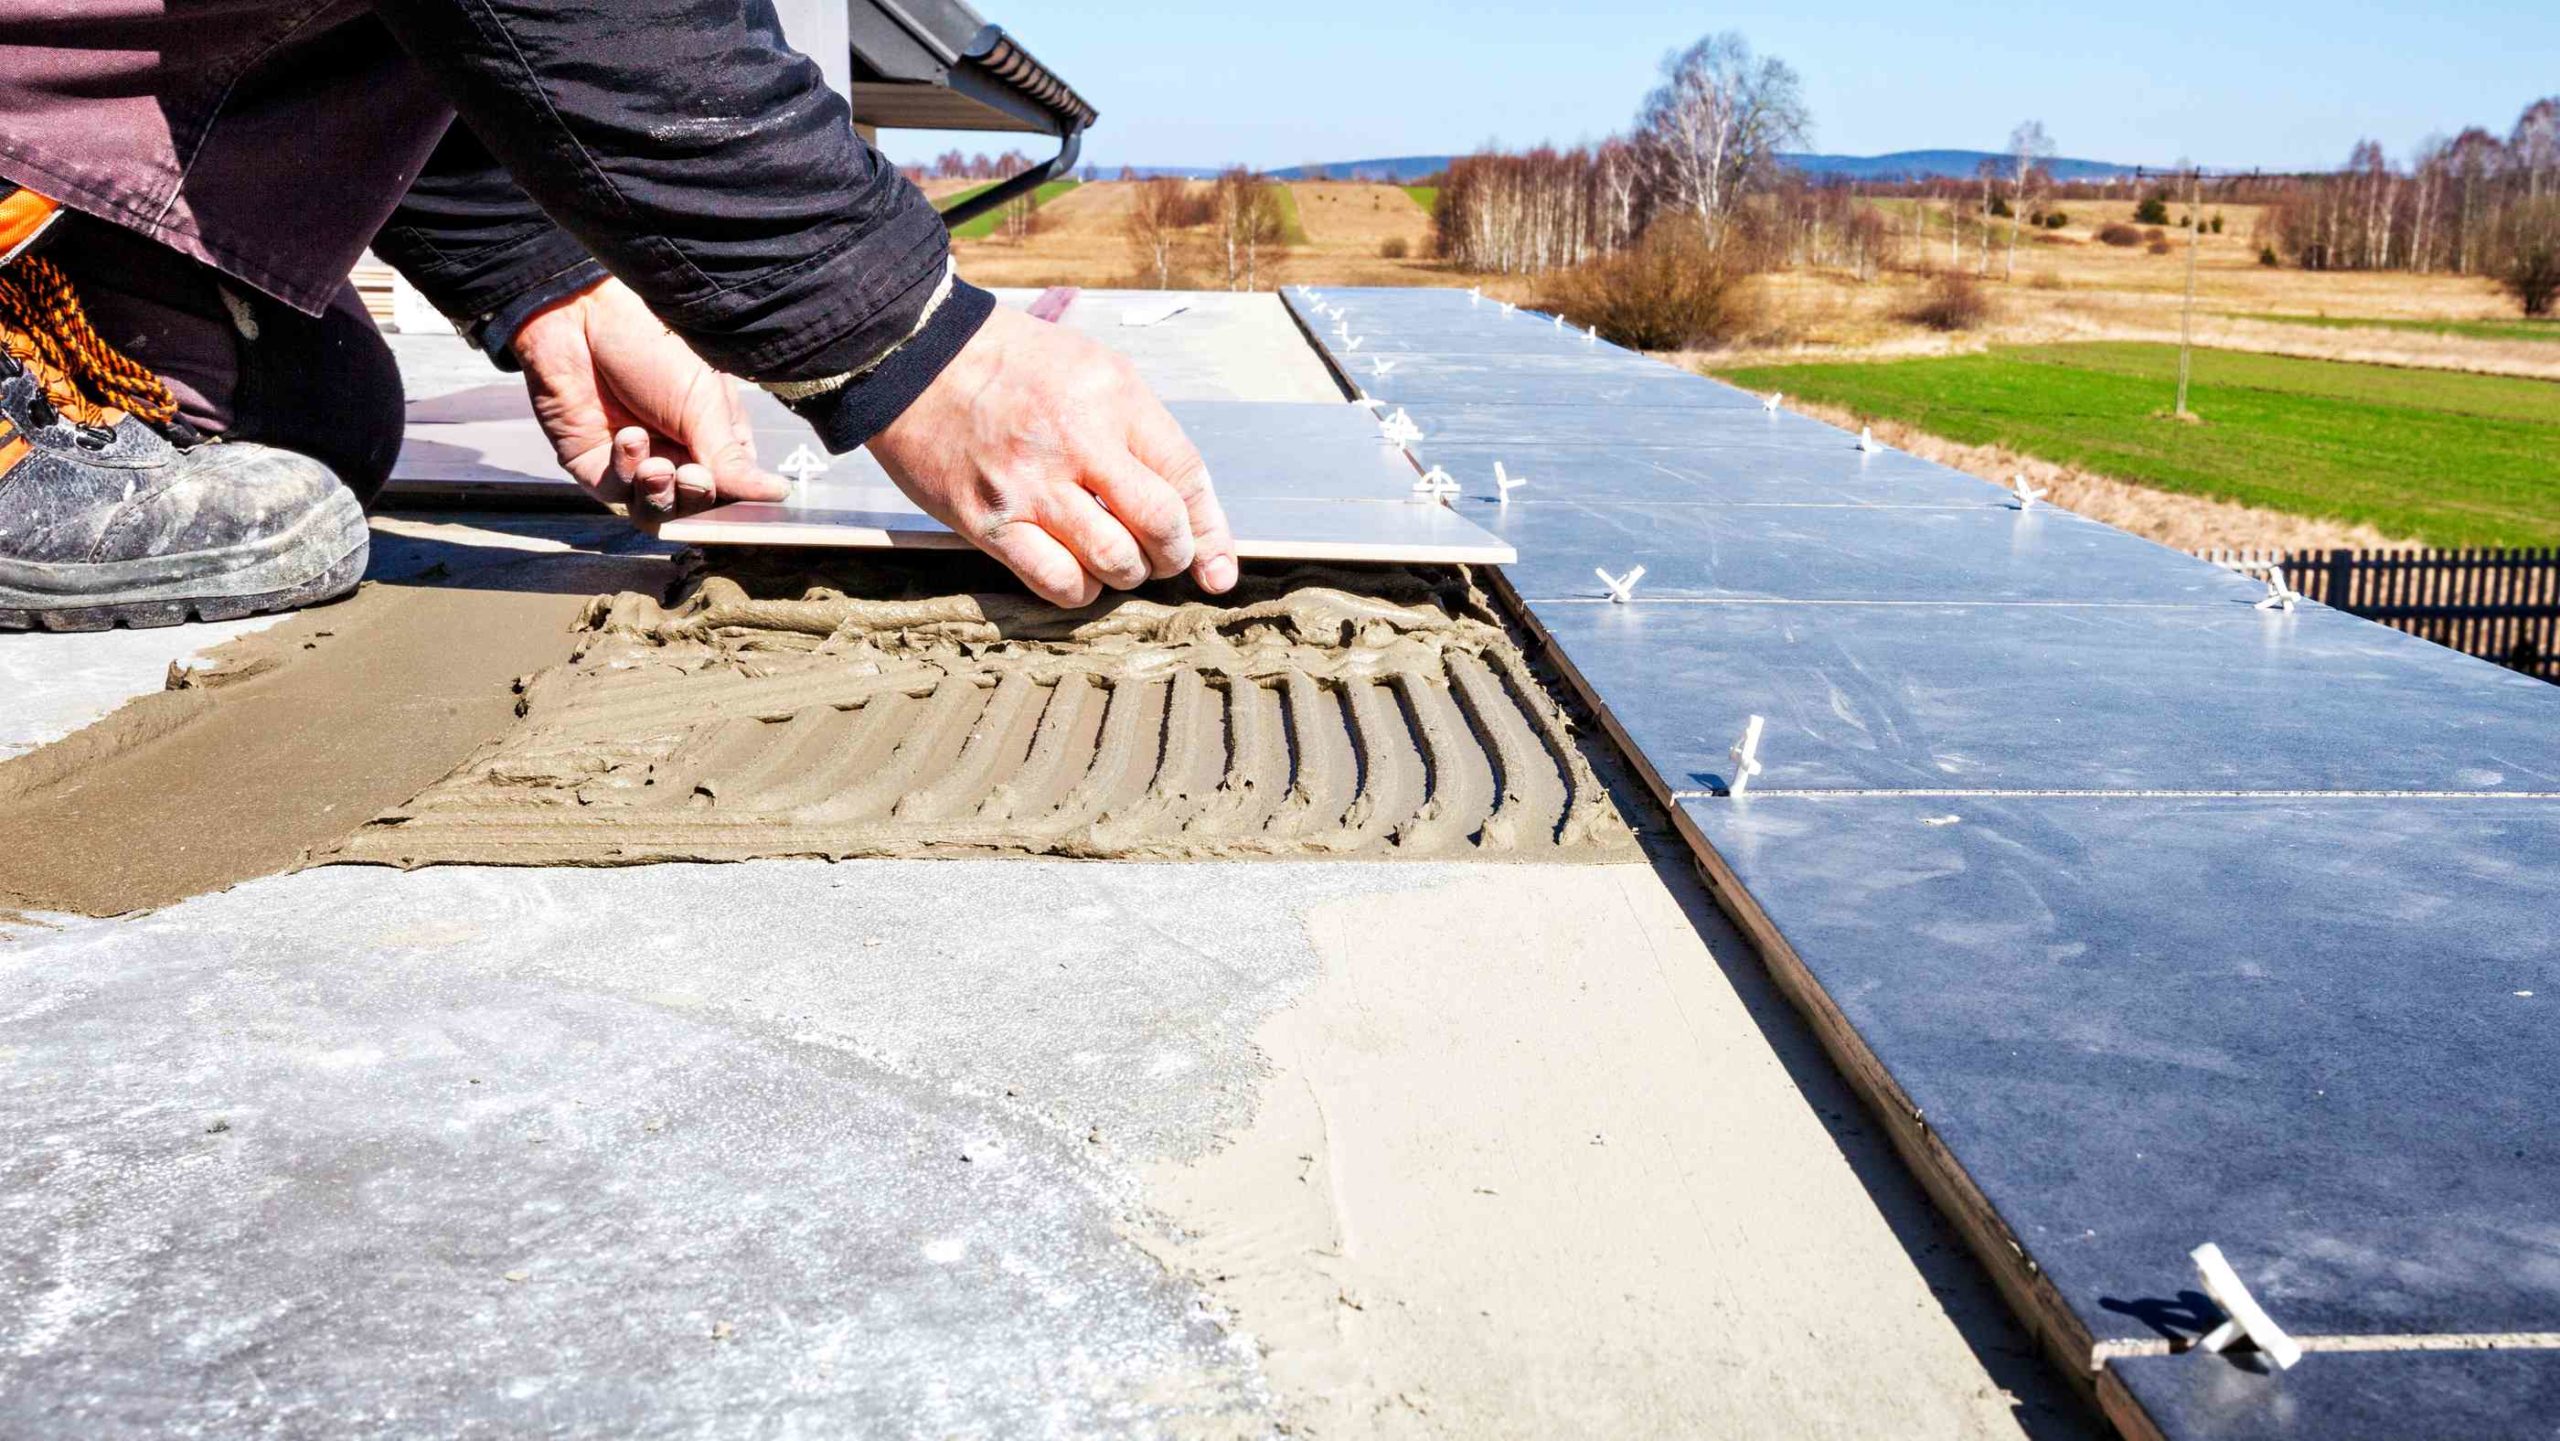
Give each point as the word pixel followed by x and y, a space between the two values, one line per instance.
pixel 1049 454
pixel 634 415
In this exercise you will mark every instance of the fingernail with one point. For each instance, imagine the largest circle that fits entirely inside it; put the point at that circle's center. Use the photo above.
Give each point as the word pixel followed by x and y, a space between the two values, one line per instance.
pixel 1220 574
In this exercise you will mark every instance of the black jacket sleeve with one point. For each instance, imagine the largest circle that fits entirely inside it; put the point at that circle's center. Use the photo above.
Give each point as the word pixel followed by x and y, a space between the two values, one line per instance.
pixel 705 163
pixel 477 246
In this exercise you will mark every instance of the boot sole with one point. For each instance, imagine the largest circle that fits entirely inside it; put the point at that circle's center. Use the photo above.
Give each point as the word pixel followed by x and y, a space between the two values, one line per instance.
pixel 319 560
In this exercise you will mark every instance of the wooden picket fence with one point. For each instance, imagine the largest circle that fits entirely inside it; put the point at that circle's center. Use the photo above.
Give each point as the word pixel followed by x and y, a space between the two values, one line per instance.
pixel 2499 605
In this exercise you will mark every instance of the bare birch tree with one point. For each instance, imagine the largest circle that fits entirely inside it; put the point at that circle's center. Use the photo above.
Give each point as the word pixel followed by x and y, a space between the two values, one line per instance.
pixel 2029 149
pixel 1712 129
pixel 1245 211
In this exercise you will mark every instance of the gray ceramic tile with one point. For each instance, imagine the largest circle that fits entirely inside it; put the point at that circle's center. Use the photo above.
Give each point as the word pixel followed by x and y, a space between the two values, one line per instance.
pixel 1987 552
pixel 1709 474
pixel 1744 424
pixel 2316 1032
pixel 1614 379
pixel 2355 1396
pixel 2040 697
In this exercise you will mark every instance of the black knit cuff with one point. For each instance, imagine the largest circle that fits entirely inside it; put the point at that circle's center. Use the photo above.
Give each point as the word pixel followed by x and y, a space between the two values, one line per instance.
pixel 861 408
pixel 495 332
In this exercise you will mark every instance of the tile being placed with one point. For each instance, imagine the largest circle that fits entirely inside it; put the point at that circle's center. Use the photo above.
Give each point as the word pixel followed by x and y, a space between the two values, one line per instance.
pixel 1986 552
pixel 1270 449
pixel 2056 697
pixel 1222 345
pixel 2482 1395
pixel 2317 1032
pixel 1708 474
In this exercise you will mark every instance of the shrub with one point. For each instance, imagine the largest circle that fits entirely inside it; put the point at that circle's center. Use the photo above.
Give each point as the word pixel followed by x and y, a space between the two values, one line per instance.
pixel 2154 209
pixel 2160 246
pixel 2529 267
pixel 2216 226
pixel 2055 220
pixel 1953 301
pixel 2000 206
pixel 1670 291
pixel 2119 234
pixel 1393 248
pixel 2267 256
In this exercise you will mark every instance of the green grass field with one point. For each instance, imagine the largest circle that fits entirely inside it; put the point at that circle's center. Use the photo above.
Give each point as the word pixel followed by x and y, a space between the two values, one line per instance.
pixel 1426 196
pixel 2446 458
pixel 2470 329
pixel 1292 231
pixel 985 225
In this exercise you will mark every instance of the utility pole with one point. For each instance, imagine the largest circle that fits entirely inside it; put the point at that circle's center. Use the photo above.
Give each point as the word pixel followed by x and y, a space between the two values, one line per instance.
pixel 2187 316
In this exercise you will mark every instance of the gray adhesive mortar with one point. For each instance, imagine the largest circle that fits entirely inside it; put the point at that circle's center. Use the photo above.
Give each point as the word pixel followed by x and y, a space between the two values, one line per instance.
pixel 869 710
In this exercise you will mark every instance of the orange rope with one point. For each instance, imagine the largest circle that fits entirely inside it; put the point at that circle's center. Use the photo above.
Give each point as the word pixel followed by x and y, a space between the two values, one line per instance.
pixel 42 324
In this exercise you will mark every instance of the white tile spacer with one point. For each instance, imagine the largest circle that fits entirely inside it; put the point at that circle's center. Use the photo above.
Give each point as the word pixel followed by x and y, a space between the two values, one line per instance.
pixel 1770 401
pixel 1380 367
pixel 1400 427
pixel 1475 295
pixel 2248 1318
pixel 1353 342
pixel 2280 594
pixel 803 463
pixel 1307 291
pixel 1559 320
pixel 1436 485
pixel 1371 401
pixel 2027 494
pixel 1746 758
pixel 1591 336
pixel 1507 482
pixel 1867 440
pixel 1507 308
pixel 1622 588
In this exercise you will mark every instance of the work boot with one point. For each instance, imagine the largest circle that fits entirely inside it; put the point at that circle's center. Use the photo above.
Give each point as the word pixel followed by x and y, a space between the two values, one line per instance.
pixel 113 511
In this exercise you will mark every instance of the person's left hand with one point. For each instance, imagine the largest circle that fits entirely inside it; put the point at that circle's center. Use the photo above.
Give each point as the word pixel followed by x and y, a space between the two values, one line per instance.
pixel 634 415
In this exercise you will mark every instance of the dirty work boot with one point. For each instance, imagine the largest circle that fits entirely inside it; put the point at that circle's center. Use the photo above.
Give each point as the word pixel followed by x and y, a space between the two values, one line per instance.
pixel 113 511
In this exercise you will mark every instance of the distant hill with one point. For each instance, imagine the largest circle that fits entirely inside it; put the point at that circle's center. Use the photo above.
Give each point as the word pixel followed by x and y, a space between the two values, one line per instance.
pixel 1901 165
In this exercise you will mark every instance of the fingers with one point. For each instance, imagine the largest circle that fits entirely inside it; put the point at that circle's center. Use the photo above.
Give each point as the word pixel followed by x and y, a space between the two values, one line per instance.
pixel 1042 563
pixel 1156 441
pixel 714 430
pixel 649 480
pixel 1097 538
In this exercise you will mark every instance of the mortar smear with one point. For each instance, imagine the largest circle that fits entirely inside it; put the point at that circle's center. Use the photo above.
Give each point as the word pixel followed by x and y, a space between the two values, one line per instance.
pixel 773 712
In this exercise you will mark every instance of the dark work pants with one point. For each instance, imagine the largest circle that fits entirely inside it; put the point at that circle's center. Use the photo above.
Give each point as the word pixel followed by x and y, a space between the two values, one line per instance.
pixel 243 366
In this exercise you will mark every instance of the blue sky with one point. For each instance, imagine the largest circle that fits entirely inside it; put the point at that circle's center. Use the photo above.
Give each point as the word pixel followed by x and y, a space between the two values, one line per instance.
pixel 2137 81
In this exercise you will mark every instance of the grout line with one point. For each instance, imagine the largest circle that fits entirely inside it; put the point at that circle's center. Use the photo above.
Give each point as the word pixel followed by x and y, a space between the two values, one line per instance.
pixel 1918 793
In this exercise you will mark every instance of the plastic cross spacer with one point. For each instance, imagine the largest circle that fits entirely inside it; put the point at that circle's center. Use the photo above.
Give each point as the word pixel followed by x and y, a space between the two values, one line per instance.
pixel 1507 308
pixel 1352 342
pixel 1622 588
pixel 1475 295
pixel 1400 427
pixel 2247 1317
pixel 1591 336
pixel 1746 757
pixel 1436 485
pixel 803 463
pixel 1507 482
pixel 2027 494
pixel 1559 320
pixel 2280 594
pixel 1380 366
pixel 1370 401
pixel 1867 440
pixel 1770 401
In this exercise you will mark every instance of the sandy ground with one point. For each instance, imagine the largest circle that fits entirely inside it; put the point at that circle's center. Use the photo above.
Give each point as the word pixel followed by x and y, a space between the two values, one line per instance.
pixel 1349 215
pixel 2188 522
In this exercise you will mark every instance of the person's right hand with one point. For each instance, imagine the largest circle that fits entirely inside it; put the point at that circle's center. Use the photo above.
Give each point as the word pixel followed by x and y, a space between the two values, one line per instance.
pixel 1049 454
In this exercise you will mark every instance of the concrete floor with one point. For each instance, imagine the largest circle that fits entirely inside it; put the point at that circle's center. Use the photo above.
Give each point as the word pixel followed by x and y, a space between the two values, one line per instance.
pixel 955 1148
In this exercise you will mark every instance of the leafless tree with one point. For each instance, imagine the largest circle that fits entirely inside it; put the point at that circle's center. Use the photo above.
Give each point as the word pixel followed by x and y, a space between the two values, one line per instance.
pixel 1245 210
pixel 1712 130
pixel 2536 143
pixel 1163 209
pixel 2029 149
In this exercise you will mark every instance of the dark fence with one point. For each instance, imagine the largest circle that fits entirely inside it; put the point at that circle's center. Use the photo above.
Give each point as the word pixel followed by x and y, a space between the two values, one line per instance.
pixel 2500 605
